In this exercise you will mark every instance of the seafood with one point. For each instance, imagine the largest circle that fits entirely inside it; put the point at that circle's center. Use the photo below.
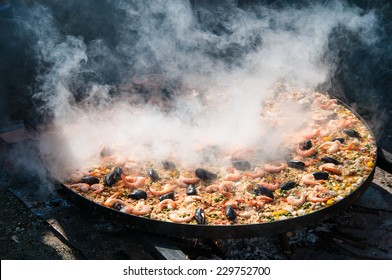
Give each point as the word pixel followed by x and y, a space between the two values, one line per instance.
pixel 306 153
pixel 168 165
pixel 191 190
pixel 184 182
pixel 288 185
pixel 83 187
pixel 169 203
pixel 352 133
pixel 294 163
pixel 152 174
pixel 205 174
pixel 169 195
pixel 212 188
pixel 306 145
pixel 331 168
pixel 200 216
pixel 114 176
pixel 192 198
pixel 319 195
pixel 331 147
pixel 296 200
pixel 320 175
pixel 133 182
pixel 271 186
pixel 275 169
pixel 226 186
pixel 230 213
pixel 263 191
pixel 88 179
pixel 138 194
pixel 183 218
pixel 240 164
pixel 309 180
pixel 257 173
pixel 97 188
pixel 330 160
pixel 234 175
pixel 166 189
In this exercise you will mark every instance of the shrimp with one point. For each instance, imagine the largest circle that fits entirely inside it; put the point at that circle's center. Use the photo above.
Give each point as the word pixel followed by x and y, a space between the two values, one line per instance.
pixel 257 173
pixel 140 209
pixel 259 201
pixel 169 203
pixel 244 154
pixel 233 203
pixel 308 162
pixel 308 179
pixel 175 217
pixel 133 182
pixel 328 104
pixel 271 186
pixel 234 175
pixel 331 168
pixel 273 168
pixel 166 189
pixel 312 134
pixel 212 188
pixel 192 198
pixel 294 201
pixel 97 188
pixel 77 176
pixel 184 182
pixel 111 200
pixel 306 153
pixel 226 186
pixel 332 147
pixel 83 187
pixel 320 194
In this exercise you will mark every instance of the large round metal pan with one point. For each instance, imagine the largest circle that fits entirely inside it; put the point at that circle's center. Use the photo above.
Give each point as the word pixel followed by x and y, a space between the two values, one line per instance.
pixel 222 231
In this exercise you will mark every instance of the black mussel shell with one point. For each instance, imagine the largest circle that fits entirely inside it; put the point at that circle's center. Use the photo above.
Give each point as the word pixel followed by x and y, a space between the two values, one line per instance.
pixel 117 206
pixel 288 186
pixel 152 174
pixel 241 164
pixel 105 152
pixel 330 160
pixel 306 145
pixel 200 216
pixel 113 176
pixel 296 164
pixel 263 191
pixel 191 190
pixel 118 171
pixel 340 139
pixel 168 165
pixel 321 175
pixel 204 174
pixel 230 213
pixel 169 195
pixel 91 180
pixel 138 194
pixel 352 133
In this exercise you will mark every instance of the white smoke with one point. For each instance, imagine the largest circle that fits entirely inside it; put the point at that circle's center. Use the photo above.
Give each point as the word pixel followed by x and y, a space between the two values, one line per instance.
pixel 226 60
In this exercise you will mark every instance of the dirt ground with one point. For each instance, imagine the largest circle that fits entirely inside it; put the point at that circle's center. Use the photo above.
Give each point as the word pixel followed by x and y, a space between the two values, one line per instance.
pixel 24 236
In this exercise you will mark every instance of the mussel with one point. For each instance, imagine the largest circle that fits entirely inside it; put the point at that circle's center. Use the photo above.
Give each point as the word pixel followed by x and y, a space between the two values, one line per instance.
pixel 169 195
pixel 113 176
pixel 296 164
pixel 138 194
pixel 191 190
pixel 230 213
pixel 306 145
pixel 117 206
pixel 263 191
pixel 240 164
pixel 205 174
pixel 168 165
pixel 200 216
pixel 352 133
pixel 321 175
pixel 152 174
pixel 340 139
pixel 288 185
pixel 91 180
pixel 330 160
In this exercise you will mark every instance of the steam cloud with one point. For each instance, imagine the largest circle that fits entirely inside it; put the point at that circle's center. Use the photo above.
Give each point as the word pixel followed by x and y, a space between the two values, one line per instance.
pixel 207 69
